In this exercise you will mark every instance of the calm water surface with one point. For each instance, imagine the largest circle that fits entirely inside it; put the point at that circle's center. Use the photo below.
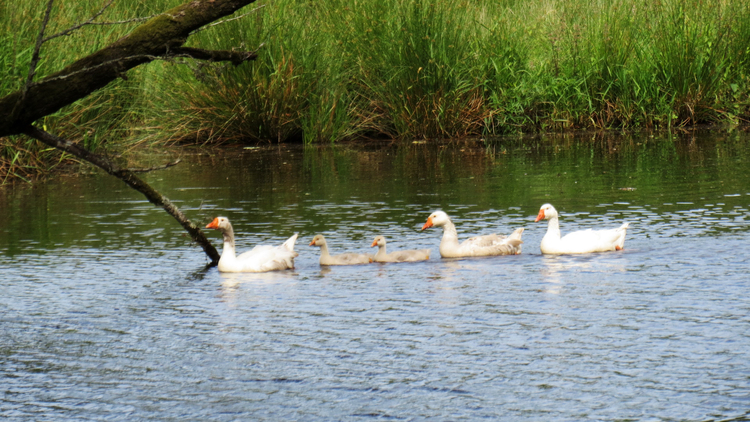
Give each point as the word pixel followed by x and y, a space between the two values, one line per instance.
pixel 107 311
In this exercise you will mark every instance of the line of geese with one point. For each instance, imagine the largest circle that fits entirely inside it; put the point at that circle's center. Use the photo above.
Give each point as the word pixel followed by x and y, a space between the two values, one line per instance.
pixel 264 258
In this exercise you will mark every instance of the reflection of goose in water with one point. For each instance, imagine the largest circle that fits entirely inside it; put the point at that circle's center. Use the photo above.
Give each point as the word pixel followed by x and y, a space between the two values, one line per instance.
pixel 239 287
pixel 559 270
pixel 488 245
pixel 259 259
pixel 584 241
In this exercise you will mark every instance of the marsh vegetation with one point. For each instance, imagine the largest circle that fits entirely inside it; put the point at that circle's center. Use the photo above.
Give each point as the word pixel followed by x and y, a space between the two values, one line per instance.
pixel 337 70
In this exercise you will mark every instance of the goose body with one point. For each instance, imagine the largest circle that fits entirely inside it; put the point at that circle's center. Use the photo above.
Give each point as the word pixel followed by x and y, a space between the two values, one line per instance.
pixel 342 259
pixel 584 241
pixel 398 256
pixel 260 259
pixel 487 245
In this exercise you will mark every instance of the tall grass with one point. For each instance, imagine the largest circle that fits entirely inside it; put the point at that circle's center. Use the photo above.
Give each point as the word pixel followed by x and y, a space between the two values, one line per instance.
pixel 341 69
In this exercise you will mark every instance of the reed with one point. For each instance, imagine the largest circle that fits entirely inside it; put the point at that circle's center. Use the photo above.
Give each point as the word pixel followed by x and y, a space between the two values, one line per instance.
pixel 336 70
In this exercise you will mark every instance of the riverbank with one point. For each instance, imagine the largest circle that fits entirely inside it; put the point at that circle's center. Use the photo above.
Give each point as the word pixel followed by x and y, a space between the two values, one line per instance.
pixel 335 71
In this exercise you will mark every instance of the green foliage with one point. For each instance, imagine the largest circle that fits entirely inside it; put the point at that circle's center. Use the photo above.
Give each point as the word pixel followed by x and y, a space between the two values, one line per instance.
pixel 340 69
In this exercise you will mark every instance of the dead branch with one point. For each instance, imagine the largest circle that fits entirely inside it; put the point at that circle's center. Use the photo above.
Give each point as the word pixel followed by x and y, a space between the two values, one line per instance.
pixel 161 37
pixel 228 20
pixel 156 38
pixel 38 46
pixel 235 57
pixel 129 177
pixel 80 25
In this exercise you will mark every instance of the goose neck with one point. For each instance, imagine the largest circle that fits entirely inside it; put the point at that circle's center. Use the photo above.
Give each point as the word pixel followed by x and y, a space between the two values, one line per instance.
pixel 381 252
pixel 228 240
pixel 449 232
pixel 553 227
pixel 324 250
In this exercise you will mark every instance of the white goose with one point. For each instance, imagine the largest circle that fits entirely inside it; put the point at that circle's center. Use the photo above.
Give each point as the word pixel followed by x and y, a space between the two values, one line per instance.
pixel 342 259
pixel 398 256
pixel 487 245
pixel 584 241
pixel 260 259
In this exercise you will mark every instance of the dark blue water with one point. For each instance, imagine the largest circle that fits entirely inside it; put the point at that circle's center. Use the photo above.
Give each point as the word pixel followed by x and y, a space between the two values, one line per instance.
pixel 107 311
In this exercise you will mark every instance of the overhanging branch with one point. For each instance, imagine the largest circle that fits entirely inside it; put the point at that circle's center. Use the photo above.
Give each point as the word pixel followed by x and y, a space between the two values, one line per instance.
pixel 129 177
pixel 236 57
pixel 158 37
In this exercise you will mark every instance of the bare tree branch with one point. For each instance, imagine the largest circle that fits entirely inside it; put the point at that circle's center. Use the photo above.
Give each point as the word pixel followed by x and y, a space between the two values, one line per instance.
pixel 145 18
pixel 161 37
pixel 236 57
pixel 75 27
pixel 129 177
pixel 228 20
pixel 38 46
pixel 156 38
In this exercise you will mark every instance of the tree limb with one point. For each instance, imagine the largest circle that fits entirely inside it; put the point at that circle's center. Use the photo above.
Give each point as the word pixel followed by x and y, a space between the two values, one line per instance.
pixel 228 20
pixel 236 57
pixel 155 38
pixel 38 47
pixel 80 25
pixel 129 177
pixel 160 37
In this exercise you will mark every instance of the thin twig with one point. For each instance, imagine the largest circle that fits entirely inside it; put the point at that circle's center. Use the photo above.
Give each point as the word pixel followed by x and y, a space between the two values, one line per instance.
pixel 145 18
pixel 146 170
pixel 227 20
pixel 38 47
pixel 75 27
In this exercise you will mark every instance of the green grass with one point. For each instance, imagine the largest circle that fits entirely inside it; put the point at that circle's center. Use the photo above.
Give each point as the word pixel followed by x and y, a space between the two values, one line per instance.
pixel 336 70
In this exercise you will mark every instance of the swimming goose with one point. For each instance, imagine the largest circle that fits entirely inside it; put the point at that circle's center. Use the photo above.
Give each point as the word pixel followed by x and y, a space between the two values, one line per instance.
pixel 343 259
pixel 584 241
pixel 260 259
pixel 398 256
pixel 486 245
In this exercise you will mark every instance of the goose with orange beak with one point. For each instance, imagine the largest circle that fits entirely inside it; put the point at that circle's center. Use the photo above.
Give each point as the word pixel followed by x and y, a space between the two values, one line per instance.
pixel 260 259
pixel 487 245
pixel 578 242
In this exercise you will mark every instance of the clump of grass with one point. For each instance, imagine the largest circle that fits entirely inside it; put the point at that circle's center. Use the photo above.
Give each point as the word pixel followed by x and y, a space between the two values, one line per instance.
pixel 335 70
pixel 691 57
pixel 417 70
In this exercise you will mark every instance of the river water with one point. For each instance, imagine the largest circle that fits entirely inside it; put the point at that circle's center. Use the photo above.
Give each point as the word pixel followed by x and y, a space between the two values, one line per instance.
pixel 108 312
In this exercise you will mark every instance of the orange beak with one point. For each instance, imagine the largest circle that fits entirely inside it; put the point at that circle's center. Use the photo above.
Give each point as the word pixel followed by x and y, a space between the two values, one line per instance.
pixel 428 224
pixel 374 243
pixel 312 243
pixel 214 224
pixel 540 216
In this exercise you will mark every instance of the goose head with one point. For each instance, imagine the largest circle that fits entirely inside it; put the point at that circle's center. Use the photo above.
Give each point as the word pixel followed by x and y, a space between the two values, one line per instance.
pixel 546 212
pixel 436 219
pixel 379 241
pixel 318 240
pixel 219 223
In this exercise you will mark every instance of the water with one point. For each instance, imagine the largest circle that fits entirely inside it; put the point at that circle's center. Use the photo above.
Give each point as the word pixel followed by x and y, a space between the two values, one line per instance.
pixel 107 311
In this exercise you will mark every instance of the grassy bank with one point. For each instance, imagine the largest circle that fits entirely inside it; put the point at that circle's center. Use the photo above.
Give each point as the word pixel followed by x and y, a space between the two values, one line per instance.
pixel 335 70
